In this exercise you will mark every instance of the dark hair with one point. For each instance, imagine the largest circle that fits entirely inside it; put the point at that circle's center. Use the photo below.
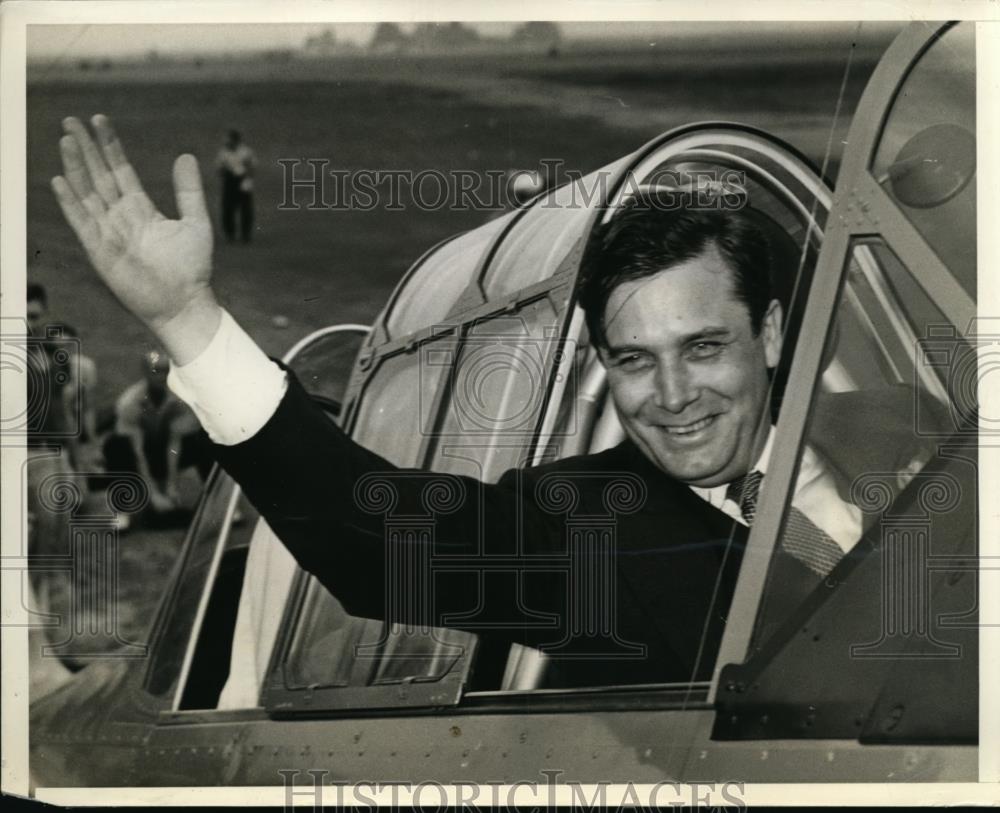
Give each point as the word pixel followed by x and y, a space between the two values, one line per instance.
pixel 36 293
pixel 646 237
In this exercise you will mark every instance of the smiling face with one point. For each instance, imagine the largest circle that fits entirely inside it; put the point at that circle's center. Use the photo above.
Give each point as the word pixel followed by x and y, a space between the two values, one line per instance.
pixel 687 374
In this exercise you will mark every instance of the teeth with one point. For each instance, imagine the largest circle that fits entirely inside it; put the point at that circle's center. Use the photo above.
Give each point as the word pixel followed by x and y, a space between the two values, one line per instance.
pixel 691 427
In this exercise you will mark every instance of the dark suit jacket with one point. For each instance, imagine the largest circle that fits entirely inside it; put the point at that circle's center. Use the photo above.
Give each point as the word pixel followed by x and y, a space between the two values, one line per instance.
pixel 664 559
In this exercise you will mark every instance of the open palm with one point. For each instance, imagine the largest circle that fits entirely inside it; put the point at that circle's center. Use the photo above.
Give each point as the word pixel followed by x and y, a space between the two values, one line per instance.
pixel 155 266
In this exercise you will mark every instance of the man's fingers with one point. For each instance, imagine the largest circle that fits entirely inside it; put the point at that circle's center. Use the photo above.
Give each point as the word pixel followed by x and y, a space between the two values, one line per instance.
pixel 83 224
pixel 74 169
pixel 78 177
pixel 100 176
pixel 72 209
pixel 188 189
pixel 125 176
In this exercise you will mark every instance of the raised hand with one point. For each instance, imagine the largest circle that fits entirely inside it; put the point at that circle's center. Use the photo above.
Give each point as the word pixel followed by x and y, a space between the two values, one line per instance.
pixel 159 269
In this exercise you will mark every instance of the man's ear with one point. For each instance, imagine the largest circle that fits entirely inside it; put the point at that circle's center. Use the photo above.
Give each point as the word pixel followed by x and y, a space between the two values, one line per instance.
pixel 771 333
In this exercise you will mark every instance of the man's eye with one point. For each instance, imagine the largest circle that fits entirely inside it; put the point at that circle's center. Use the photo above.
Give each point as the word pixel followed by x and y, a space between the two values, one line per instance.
pixel 632 362
pixel 704 350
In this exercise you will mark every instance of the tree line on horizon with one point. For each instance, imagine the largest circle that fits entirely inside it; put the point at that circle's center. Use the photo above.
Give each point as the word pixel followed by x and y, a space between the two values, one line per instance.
pixel 391 36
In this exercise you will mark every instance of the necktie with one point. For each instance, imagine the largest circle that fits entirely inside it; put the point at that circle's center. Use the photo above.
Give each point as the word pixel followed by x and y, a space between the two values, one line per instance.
pixel 801 537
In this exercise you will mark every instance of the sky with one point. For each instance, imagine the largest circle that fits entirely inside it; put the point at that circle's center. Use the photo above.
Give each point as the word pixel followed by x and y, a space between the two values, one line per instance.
pixel 48 42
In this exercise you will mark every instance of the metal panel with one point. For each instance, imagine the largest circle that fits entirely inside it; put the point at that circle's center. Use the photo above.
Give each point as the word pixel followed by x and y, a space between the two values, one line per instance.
pixel 615 746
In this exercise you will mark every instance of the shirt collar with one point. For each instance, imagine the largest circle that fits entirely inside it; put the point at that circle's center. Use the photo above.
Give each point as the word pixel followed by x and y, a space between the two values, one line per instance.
pixel 716 495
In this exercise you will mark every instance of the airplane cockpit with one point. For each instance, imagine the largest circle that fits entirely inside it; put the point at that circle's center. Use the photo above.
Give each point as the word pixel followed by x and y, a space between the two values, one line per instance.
pixel 480 363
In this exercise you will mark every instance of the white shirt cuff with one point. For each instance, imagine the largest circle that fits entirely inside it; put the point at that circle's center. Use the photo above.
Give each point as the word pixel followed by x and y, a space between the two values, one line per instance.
pixel 233 388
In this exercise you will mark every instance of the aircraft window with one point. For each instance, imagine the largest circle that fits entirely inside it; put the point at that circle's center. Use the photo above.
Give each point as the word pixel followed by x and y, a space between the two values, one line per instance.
pixel 497 393
pixel 269 574
pixel 431 292
pixel 875 413
pixel 324 367
pixel 544 236
pixel 398 401
pixel 210 660
pixel 249 588
pixel 926 156
pixel 195 564
pixel 580 409
pixel 334 649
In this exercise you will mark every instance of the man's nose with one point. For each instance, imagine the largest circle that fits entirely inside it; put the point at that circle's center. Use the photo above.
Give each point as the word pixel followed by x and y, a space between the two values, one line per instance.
pixel 675 388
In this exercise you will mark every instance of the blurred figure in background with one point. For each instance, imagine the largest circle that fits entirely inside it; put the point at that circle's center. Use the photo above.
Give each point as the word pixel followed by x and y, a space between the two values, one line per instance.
pixel 156 435
pixel 36 309
pixel 51 352
pixel 78 397
pixel 47 361
pixel 46 421
pixel 236 163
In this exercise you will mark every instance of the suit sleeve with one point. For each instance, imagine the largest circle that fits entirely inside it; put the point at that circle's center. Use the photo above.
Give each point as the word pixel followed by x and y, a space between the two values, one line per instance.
pixel 342 511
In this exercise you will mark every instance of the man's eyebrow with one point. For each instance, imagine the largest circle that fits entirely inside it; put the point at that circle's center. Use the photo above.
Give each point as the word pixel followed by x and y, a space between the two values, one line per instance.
pixel 699 335
pixel 706 333
pixel 622 349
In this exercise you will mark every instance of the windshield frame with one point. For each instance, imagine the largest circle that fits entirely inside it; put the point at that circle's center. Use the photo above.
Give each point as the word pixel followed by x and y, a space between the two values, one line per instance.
pixel 861 210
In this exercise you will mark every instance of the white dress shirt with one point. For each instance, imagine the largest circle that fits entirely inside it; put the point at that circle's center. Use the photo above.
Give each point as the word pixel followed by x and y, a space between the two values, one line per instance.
pixel 232 386
pixel 815 496
pixel 238 160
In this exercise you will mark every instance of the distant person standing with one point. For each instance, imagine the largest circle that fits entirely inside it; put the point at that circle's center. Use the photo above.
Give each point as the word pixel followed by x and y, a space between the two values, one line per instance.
pixel 236 163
